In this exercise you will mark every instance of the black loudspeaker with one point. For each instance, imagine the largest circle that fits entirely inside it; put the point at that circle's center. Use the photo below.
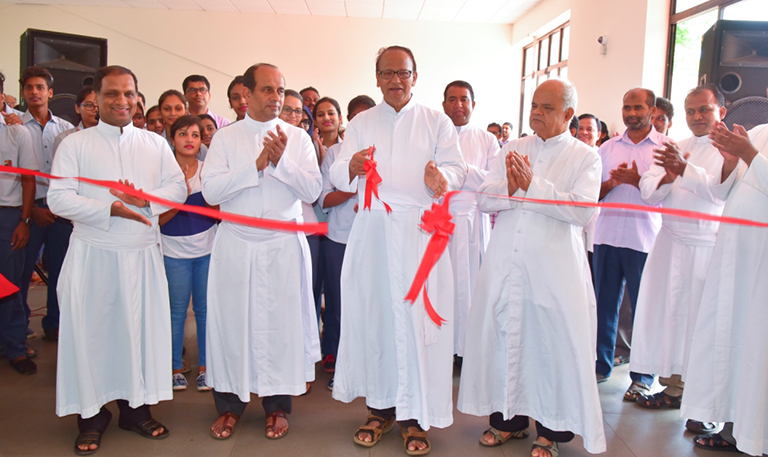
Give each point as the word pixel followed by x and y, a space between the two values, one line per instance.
pixel 734 56
pixel 748 112
pixel 71 59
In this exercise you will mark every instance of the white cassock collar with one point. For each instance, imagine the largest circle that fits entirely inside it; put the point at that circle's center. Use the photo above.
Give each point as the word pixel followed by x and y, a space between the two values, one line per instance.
pixel 114 130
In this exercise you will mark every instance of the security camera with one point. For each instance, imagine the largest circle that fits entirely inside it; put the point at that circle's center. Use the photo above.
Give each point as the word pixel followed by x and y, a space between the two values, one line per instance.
pixel 602 39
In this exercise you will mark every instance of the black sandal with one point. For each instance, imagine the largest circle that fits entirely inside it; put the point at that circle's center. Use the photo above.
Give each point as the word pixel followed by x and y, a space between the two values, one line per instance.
pixel 146 429
pixel 717 443
pixel 659 400
pixel 88 438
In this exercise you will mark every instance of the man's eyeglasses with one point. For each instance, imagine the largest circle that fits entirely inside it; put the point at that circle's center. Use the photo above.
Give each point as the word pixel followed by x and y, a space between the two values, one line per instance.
pixel 389 74
pixel 288 111
pixel 90 106
pixel 195 90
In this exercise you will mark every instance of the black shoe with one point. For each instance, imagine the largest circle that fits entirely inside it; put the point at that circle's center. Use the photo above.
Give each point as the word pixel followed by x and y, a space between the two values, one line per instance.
pixel 24 366
pixel 51 335
pixel 458 360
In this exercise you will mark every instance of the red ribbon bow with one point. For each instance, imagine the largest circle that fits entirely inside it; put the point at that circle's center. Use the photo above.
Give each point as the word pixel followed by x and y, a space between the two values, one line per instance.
pixel 436 221
pixel 7 288
pixel 372 181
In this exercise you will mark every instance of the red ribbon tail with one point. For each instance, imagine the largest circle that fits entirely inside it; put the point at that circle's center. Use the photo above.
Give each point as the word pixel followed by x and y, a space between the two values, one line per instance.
pixel 435 248
pixel 7 288
pixel 431 311
pixel 368 190
pixel 387 207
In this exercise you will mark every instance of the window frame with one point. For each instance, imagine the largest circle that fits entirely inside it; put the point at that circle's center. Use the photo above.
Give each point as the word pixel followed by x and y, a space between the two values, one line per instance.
pixel 538 72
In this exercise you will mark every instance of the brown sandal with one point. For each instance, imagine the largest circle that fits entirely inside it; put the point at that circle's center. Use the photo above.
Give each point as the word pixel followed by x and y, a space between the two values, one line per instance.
pixel 419 435
pixel 226 426
pixel 274 417
pixel 375 431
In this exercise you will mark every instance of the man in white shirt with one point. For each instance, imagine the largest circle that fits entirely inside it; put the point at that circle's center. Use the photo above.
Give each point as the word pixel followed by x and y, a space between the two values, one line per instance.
pixel 623 238
pixel 262 332
pixel 47 229
pixel 726 370
pixel 530 335
pixel 473 227
pixel 197 91
pixel 17 195
pixel 673 279
pixel 506 133
pixel 390 351
pixel 115 338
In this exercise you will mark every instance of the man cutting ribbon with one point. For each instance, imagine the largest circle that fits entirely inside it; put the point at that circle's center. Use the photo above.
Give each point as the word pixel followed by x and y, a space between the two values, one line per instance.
pixel 390 351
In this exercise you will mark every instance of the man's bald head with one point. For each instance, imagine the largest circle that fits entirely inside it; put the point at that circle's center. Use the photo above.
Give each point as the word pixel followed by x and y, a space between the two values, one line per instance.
pixel 552 108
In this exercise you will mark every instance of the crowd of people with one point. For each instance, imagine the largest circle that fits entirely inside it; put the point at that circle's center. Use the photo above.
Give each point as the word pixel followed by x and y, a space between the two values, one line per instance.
pixel 527 295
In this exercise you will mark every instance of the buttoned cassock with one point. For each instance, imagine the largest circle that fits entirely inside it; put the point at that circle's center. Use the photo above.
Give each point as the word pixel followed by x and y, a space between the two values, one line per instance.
pixel 473 227
pixel 262 332
pixel 727 372
pixel 115 329
pixel 673 278
pixel 532 325
pixel 390 352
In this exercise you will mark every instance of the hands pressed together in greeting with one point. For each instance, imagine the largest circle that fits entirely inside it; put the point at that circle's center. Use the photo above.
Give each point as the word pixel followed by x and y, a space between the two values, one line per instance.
pixel 274 147
pixel 519 172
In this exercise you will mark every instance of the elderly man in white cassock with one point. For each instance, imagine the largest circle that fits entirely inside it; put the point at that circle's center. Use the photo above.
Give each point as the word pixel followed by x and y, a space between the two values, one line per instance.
pixel 727 371
pixel 262 332
pixel 115 332
pixel 532 326
pixel 682 177
pixel 390 352
pixel 473 227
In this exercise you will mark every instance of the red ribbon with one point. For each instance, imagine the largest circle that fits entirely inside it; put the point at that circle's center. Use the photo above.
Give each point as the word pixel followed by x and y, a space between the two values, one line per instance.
pixel 436 221
pixel 372 181
pixel 7 288
pixel 267 224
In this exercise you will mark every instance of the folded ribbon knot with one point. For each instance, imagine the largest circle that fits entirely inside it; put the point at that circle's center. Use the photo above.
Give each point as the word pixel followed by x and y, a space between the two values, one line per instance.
pixel 372 181
pixel 436 221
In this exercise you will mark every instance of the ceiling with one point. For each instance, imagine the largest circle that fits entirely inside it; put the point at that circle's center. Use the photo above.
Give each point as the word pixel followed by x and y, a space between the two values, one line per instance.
pixel 477 11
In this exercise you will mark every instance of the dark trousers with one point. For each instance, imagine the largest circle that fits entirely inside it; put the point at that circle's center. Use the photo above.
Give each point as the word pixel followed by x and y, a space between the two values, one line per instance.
pixel 55 237
pixel 230 403
pixel 613 268
pixel 128 415
pixel 13 322
pixel 317 271
pixel 389 413
pixel 518 423
pixel 333 256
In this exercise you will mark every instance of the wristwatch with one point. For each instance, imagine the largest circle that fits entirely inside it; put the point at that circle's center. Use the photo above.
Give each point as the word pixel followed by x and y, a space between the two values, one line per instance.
pixel 27 221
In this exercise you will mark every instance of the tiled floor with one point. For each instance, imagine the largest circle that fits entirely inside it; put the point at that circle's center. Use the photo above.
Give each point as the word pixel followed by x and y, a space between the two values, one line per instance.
pixel 320 426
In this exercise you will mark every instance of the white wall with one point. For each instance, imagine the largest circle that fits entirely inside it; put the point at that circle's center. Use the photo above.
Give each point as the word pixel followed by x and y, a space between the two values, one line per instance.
pixel 637 35
pixel 334 54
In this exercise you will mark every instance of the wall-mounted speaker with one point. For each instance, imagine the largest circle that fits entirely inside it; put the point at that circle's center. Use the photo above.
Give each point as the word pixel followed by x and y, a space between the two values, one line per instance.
pixel 734 56
pixel 71 59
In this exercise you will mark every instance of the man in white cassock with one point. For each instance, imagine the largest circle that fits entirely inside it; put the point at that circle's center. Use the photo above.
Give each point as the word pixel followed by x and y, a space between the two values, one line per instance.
pixel 390 352
pixel 532 325
pixel 262 335
pixel 115 332
pixel 727 370
pixel 673 279
pixel 473 227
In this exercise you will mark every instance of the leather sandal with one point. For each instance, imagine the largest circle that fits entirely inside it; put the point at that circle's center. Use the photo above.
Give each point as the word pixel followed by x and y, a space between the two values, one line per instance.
pixel 375 431
pixel 553 450
pixel 714 442
pixel 226 426
pixel 146 429
pixel 659 400
pixel 410 437
pixel 274 417
pixel 88 438
pixel 636 390
pixel 499 439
